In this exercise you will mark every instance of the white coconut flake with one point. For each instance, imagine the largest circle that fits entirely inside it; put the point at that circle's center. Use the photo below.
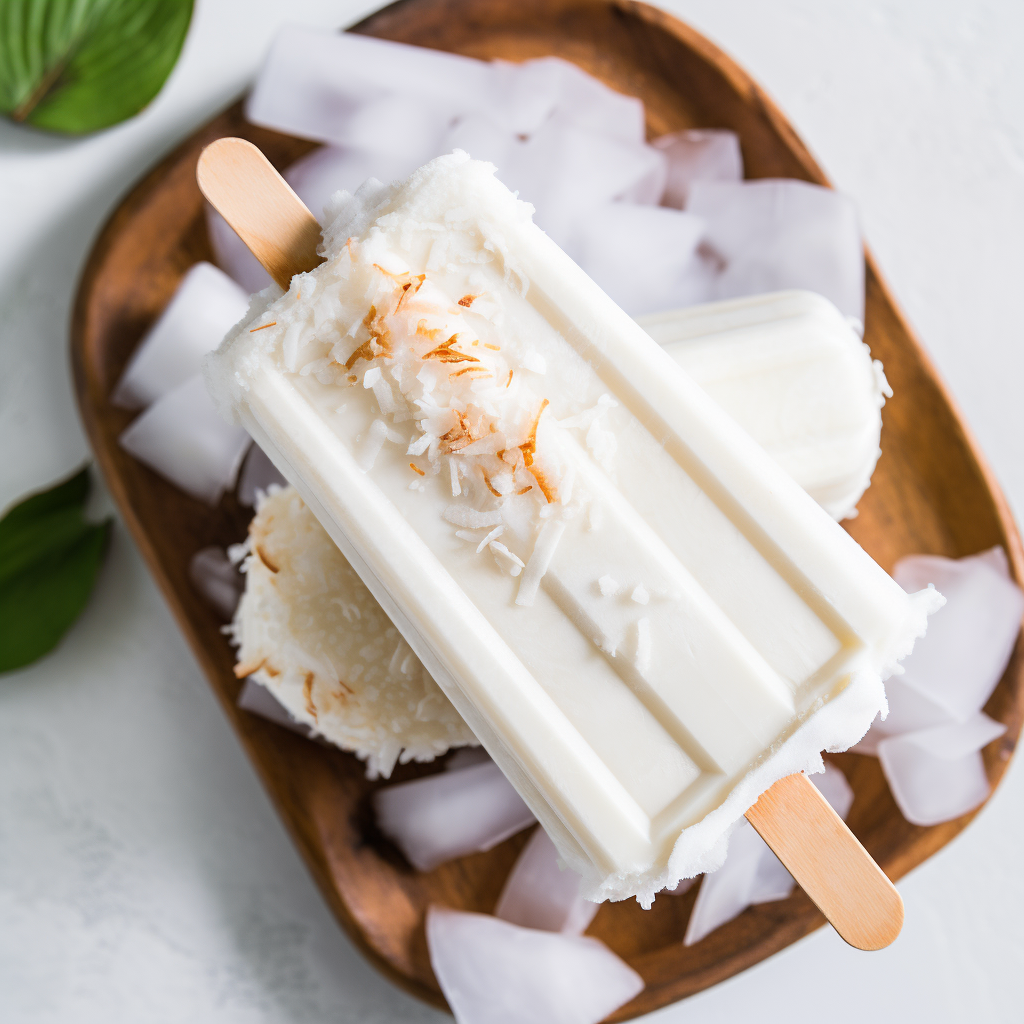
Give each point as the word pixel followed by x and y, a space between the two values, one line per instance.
pixel 463 515
pixel 291 345
pixel 960 661
pixel 374 379
pixel 506 559
pixel 372 444
pixel 543 551
pixel 489 445
pixel 420 445
pixel 503 483
pixel 930 743
pixel 401 652
pixel 607 643
pixel 493 535
pixel 565 489
pixel 938 774
pixel 588 416
pixel 385 397
pixel 640 594
pixel 237 552
pixel 725 893
pixel 608 586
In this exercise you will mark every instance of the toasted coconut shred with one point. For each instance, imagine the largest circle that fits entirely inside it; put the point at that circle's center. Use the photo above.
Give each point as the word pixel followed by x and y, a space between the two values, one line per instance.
pixel 312 634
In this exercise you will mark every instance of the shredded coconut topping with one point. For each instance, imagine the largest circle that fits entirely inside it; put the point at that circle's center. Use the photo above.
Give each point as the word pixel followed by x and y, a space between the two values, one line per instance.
pixel 428 359
pixel 459 399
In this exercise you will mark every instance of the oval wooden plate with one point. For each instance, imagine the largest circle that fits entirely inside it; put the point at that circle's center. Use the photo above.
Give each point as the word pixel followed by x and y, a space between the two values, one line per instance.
pixel 932 492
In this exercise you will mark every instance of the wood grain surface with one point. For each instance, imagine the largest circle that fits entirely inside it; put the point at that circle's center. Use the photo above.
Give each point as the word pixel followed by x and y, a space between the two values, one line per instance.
pixel 932 492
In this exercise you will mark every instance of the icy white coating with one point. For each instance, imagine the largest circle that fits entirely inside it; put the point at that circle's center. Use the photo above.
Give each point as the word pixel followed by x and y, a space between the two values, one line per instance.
pixel 310 632
pixel 791 370
pixel 448 372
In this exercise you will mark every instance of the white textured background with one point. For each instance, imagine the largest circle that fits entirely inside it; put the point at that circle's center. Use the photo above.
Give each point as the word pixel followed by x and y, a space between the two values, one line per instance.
pixel 144 875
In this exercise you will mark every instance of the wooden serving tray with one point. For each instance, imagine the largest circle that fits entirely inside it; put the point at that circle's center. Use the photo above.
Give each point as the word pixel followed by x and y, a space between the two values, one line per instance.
pixel 932 492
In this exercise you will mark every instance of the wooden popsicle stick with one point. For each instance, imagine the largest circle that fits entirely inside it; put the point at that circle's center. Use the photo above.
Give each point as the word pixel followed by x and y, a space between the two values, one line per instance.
pixel 828 862
pixel 792 817
pixel 244 188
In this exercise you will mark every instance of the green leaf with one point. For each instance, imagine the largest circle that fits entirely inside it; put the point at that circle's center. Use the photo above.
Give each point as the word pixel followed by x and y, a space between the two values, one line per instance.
pixel 49 558
pixel 37 523
pixel 69 494
pixel 54 531
pixel 39 606
pixel 75 66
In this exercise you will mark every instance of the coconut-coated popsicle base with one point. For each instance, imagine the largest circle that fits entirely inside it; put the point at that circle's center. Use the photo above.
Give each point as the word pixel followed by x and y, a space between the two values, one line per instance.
pixel 793 818
pixel 828 862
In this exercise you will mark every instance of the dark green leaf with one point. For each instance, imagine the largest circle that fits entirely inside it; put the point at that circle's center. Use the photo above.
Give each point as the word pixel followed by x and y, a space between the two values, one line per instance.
pixel 39 605
pixel 38 522
pixel 49 558
pixel 71 493
pixel 76 66
pixel 53 531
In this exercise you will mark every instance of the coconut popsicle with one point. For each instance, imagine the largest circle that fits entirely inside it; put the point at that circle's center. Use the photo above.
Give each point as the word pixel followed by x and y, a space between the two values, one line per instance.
pixel 790 368
pixel 644 620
